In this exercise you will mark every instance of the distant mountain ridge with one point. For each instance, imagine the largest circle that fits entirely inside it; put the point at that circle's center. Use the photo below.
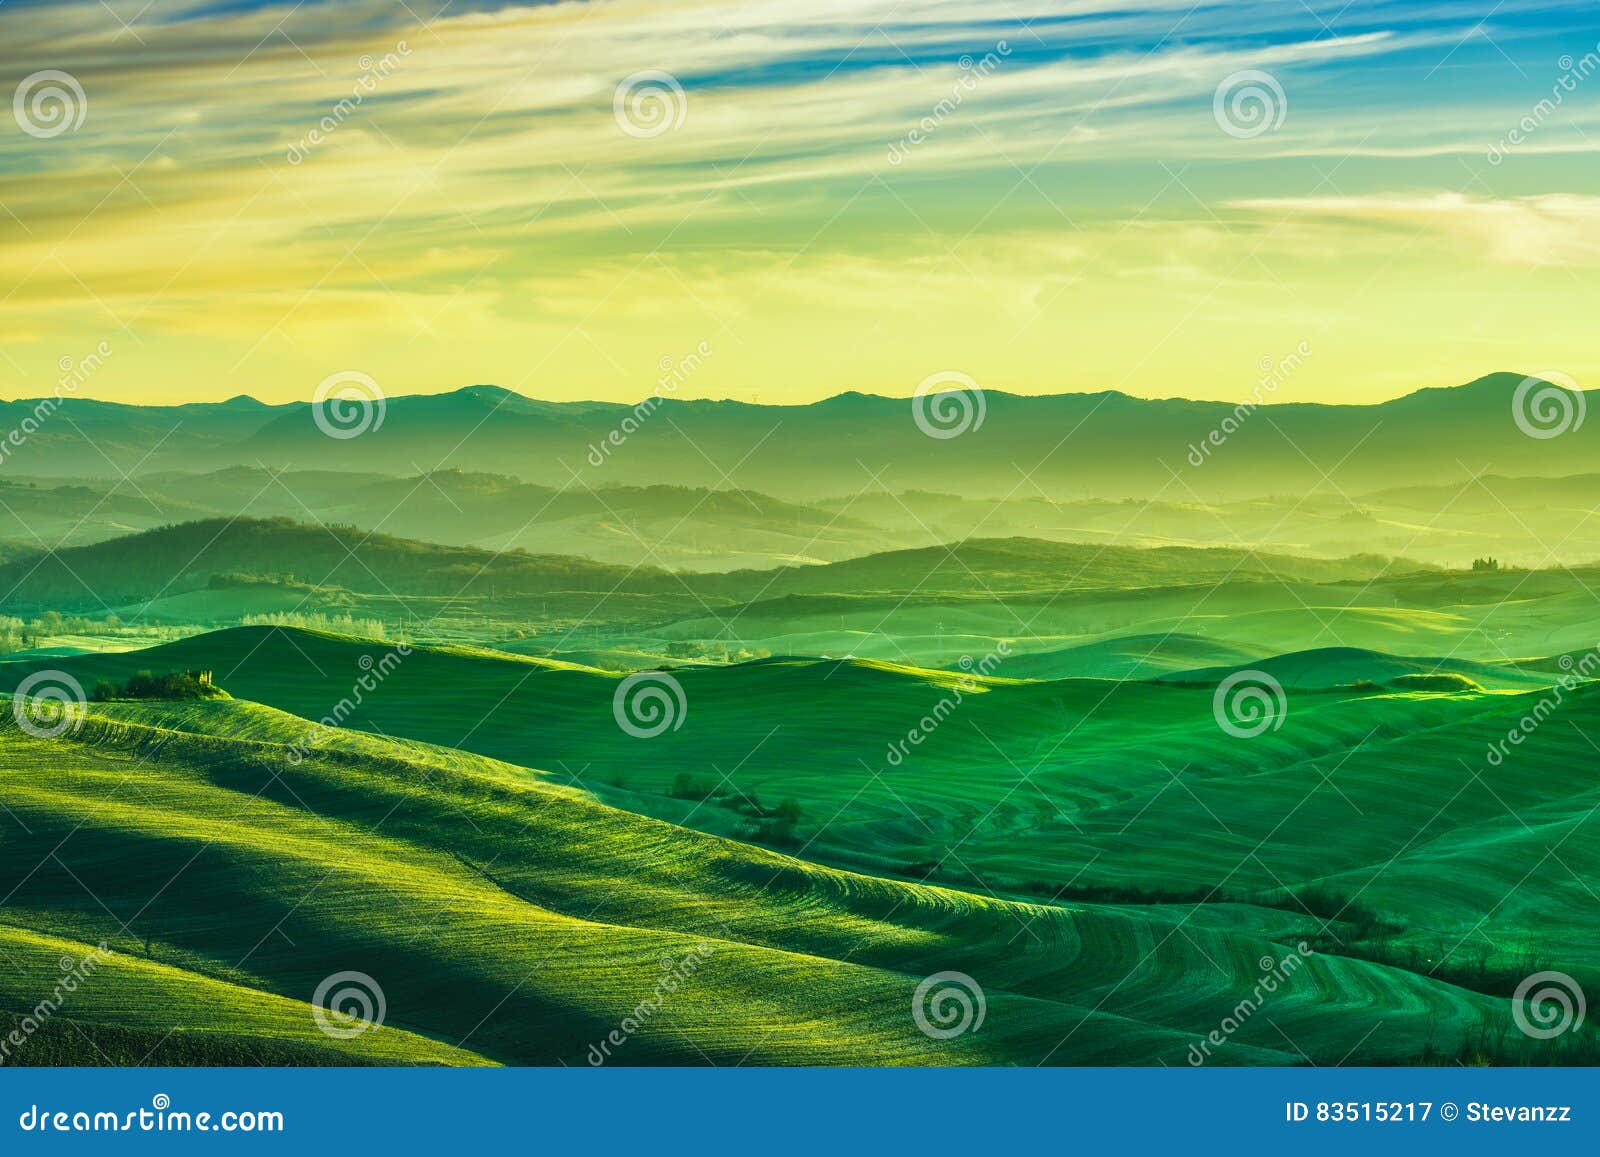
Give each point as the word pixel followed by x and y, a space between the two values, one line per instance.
pixel 1089 445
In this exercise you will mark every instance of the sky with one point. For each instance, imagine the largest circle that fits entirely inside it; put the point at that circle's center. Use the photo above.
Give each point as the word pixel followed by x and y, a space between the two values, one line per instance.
pixel 810 196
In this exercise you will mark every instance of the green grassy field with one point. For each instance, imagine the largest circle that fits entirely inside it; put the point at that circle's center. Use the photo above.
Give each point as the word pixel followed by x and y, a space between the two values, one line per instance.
pixel 511 920
pixel 1494 618
pixel 486 841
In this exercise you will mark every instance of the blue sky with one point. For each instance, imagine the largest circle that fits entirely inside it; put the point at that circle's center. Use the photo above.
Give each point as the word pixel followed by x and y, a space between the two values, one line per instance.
pixel 842 195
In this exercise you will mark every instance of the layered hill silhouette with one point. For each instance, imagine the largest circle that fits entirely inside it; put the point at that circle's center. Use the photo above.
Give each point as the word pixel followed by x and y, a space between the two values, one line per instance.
pixel 230 552
pixel 1092 444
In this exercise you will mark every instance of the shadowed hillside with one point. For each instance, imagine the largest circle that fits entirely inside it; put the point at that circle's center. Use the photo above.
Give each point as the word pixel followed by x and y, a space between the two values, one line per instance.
pixel 1374 823
pixel 508 919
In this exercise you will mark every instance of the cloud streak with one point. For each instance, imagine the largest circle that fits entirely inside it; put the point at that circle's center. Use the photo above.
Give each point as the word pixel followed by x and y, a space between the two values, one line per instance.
pixel 480 194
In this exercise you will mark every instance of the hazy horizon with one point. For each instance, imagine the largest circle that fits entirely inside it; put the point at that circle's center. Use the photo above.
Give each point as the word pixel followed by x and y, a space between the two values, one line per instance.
pixel 1266 400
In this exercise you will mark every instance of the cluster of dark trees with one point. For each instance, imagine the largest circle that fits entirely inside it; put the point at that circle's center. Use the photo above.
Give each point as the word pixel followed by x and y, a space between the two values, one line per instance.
pixel 148 685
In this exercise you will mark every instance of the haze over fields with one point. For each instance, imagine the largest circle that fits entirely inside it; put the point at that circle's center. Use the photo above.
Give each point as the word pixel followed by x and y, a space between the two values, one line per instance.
pixel 1078 773
pixel 1060 532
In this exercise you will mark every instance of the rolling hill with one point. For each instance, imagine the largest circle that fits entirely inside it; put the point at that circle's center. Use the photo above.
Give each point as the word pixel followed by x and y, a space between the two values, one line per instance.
pixel 1325 668
pixel 1373 822
pixel 984 566
pixel 663 526
pixel 506 918
pixel 175 559
pixel 928 606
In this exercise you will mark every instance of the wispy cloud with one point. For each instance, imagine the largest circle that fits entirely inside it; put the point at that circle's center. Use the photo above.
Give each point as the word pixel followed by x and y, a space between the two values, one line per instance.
pixel 480 192
pixel 1550 229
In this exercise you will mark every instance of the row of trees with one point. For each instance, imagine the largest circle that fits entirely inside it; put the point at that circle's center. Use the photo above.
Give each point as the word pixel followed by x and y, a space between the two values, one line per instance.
pixel 18 634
